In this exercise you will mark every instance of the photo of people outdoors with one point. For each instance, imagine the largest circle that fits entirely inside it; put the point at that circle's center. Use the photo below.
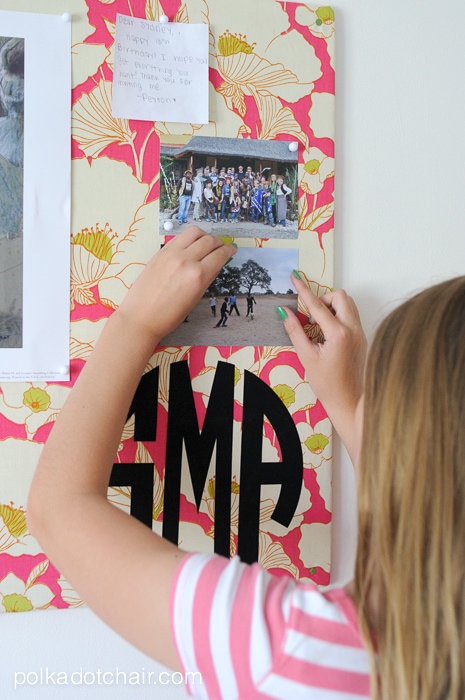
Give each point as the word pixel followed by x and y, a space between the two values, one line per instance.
pixel 246 185
pixel 239 307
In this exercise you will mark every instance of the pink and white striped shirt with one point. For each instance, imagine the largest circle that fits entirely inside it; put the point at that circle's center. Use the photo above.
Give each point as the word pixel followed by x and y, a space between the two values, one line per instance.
pixel 252 635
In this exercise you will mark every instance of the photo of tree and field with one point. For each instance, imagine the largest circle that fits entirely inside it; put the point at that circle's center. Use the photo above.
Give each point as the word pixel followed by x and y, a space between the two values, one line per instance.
pixel 239 307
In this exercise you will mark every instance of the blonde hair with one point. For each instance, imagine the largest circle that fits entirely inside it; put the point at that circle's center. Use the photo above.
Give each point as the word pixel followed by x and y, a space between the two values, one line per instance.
pixel 410 571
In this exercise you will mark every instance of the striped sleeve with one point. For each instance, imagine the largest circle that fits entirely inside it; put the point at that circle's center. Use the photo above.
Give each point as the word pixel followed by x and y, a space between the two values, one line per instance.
pixel 250 634
pixel 220 625
pixel 323 653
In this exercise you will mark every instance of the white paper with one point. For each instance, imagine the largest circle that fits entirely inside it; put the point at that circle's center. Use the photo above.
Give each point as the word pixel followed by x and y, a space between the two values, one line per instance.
pixel 160 71
pixel 44 354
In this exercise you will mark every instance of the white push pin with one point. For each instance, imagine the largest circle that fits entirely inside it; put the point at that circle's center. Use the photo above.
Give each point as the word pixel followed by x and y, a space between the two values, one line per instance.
pixel 63 369
pixel 164 19
pixel 168 225
pixel 293 146
pixel 66 17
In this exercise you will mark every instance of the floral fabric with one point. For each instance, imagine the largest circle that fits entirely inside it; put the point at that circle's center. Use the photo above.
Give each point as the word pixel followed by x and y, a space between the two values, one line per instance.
pixel 271 77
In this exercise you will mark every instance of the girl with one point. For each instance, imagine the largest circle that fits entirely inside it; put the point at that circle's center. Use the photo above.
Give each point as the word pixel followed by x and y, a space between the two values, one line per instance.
pixel 267 208
pixel 245 189
pixel 282 191
pixel 210 201
pixel 218 192
pixel 212 302
pixel 197 194
pixel 226 199
pixel 256 201
pixel 249 634
pixel 273 187
pixel 235 205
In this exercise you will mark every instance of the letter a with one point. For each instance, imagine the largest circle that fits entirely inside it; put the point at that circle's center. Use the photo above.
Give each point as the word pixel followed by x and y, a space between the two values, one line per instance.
pixel 260 401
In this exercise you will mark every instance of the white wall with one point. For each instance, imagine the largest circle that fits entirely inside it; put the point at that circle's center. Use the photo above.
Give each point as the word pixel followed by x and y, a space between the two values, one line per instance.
pixel 400 223
pixel 400 143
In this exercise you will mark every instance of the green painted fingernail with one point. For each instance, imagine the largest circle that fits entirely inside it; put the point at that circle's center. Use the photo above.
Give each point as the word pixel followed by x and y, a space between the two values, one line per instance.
pixel 282 313
pixel 228 261
pixel 235 245
pixel 296 274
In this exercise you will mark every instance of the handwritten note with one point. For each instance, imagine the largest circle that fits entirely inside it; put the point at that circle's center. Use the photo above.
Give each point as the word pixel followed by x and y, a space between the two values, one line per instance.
pixel 160 71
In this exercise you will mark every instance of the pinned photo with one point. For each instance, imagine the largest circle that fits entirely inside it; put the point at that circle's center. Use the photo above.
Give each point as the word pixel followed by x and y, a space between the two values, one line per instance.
pixel 247 188
pixel 11 191
pixel 239 307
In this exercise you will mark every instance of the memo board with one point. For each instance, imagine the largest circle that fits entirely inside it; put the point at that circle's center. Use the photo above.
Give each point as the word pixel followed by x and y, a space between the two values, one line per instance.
pixel 262 487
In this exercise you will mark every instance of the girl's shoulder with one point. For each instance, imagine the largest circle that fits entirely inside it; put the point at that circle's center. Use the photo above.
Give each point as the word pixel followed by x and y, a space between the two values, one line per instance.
pixel 297 624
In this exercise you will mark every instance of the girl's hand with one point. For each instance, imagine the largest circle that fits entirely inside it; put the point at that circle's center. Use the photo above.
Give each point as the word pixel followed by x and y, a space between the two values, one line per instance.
pixel 173 282
pixel 335 368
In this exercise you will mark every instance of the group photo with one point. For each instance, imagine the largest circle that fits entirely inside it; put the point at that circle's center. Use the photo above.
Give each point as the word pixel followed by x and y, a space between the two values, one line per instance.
pixel 248 186
pixel 239 307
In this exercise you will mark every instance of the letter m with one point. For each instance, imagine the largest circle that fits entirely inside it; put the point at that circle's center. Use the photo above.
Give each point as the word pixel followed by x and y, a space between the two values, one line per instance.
pixel 183 429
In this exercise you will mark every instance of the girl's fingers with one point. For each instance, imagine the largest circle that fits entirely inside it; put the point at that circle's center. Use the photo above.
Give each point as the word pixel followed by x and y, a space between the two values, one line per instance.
pixel 205 245
pixel 317 308
pixel 198 245
pixel 218 257
pixel 186 238
pixel 211 253
pixel 330 310
pixel 356 312
pixel 302 344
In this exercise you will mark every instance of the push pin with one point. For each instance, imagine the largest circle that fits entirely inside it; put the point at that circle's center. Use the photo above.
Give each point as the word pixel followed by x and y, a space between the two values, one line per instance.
pixel 168 225
pixel 63 369
pixel 293 146
pixel 164 19
pixel 66 17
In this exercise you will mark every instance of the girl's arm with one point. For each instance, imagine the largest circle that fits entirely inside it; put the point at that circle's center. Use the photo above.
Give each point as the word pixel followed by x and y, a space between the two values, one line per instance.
pixel 335 368
pixel 122 570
